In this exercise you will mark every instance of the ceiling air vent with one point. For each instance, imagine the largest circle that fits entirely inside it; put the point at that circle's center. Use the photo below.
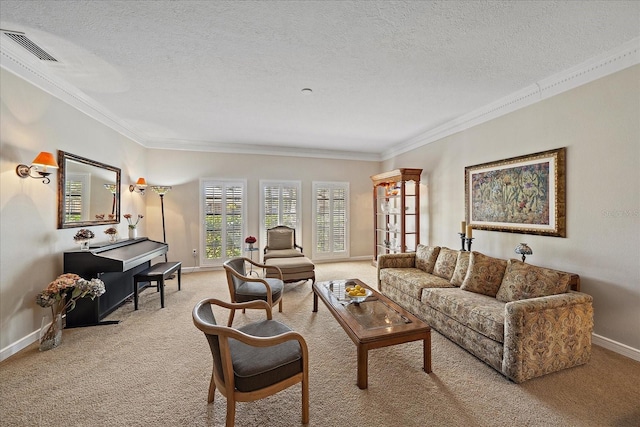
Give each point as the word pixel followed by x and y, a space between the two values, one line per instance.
pixel 24 41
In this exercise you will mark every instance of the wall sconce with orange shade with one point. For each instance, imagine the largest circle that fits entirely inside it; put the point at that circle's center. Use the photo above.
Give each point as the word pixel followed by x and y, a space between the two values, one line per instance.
pixel 139 187
pixel 40 164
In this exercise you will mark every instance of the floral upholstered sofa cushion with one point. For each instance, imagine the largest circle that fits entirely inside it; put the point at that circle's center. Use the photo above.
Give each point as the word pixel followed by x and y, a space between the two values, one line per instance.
pixel 426 257
pixel 445 263
pixel 524 281
pixel 484 275
pixel 462 265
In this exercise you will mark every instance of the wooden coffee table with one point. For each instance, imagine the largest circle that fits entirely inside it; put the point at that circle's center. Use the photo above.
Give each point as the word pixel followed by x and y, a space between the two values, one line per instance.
pixel 377 322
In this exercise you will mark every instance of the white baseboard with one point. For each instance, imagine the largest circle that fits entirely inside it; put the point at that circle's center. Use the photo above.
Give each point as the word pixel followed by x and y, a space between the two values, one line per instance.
pixel 19 345
pixel 609 344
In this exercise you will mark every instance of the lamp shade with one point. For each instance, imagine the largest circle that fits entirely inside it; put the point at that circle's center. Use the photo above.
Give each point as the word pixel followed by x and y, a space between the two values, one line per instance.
pixel 45 160
pixel 141 182
pixel 523 249
pixel 161 189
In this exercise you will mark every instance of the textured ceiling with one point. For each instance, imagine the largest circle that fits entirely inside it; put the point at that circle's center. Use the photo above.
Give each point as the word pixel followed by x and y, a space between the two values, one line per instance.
pixel 229 73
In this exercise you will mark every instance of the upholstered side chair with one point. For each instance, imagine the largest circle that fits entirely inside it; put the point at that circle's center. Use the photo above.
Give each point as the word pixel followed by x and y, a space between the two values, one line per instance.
pixel 244 287
pixel 281 243
pixel 254 361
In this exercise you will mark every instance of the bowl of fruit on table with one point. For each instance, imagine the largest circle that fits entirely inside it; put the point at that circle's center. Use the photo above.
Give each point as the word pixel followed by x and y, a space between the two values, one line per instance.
pixel 356 293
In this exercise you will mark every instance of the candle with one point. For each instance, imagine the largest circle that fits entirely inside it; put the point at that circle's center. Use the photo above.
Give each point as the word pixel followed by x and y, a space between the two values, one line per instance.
pixel 463 224
pixel 469 232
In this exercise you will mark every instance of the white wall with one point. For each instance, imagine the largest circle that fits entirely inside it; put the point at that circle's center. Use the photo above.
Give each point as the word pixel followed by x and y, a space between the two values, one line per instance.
pixel 599 123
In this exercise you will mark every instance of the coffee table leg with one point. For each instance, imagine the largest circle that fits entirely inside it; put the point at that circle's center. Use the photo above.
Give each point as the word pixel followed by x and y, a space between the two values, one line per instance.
pixel 426 352
pixel 363 367
pixel 315 302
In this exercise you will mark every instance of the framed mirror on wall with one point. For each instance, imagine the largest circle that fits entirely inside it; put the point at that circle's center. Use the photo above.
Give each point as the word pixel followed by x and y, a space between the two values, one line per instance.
pixel 88 192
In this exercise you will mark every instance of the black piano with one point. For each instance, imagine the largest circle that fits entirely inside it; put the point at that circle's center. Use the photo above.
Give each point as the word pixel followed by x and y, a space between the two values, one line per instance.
pixel 115 264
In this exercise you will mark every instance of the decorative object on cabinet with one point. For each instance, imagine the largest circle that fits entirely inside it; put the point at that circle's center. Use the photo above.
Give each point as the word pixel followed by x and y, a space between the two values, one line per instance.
pixel 139 187
pixel 43 160
pixel 396 210
pixel 112 232
pixel 133 226
pixel 61 295
pixel 524 250
pixel 524 194
pixel 162 190
pixel 83 238
pixel 77 204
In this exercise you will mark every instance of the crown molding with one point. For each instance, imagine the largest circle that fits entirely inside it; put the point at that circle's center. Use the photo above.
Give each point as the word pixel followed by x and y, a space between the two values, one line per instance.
pixel 622 57
pixel 267 150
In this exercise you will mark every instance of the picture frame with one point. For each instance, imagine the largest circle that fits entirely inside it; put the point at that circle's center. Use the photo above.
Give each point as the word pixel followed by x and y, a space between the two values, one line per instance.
pixel 525 194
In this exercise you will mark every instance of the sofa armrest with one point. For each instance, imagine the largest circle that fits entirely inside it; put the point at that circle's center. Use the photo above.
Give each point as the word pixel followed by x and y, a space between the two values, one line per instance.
pixel 401 260
pixel 546 334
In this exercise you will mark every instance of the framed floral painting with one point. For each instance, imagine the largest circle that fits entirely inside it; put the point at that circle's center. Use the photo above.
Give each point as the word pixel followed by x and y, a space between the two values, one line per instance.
pixel 523 194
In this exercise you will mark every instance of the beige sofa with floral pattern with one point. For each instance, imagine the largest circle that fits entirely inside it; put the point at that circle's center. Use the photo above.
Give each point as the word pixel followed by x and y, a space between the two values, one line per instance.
pixel 522 320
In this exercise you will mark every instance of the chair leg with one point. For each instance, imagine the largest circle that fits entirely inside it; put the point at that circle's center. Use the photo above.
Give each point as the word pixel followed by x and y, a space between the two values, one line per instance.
pixel 231 411
pixel 231 314
pixel 212 389
pixel 280 306
pixel 305 400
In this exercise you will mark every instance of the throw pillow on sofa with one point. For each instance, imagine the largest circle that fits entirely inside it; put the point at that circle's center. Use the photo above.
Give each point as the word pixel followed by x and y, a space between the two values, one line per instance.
pixel 485 274
pixel 445 263
pixel 524 281
pixel 426 257
pixel 462 265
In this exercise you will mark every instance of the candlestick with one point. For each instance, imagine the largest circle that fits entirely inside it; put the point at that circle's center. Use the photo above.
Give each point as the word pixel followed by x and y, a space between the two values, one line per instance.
pixel 462 240
pixel 469 231
pixel 469 239
pixel 463 225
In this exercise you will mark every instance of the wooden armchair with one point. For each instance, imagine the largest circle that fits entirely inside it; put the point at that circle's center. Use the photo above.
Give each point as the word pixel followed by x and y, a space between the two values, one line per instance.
pixel 243 287
pixel 254 361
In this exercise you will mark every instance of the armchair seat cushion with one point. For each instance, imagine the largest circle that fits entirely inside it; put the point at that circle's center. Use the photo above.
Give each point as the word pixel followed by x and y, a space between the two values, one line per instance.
pixel 258 367
pixel 251 291
pixel 282 253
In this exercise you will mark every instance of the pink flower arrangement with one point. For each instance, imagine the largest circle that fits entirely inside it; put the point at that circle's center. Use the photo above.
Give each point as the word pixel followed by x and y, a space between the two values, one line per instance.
pixel 132 224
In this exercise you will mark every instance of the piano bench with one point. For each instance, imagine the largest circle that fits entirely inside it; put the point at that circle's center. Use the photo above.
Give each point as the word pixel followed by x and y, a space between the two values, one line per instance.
pixel 156 273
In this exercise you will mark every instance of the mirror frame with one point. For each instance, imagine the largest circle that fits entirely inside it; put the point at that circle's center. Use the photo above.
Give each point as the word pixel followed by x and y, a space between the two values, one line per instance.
pixel 63 156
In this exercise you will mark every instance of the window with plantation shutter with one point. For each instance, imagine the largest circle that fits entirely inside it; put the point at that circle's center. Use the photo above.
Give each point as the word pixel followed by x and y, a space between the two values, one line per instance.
pixel 223 220
pixel 76 198
pixel 280 205
pixel 331 212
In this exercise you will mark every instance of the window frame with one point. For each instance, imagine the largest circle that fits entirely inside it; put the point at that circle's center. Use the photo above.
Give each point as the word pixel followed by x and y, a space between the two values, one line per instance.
pixel 281 184
pixel 331 185
pixel 225 182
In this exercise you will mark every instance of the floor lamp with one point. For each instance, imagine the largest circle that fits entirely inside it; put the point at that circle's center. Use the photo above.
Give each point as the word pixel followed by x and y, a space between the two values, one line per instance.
pixel 162 190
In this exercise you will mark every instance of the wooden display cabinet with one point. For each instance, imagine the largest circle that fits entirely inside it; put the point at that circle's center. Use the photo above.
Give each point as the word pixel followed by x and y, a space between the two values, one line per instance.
pixel 396 211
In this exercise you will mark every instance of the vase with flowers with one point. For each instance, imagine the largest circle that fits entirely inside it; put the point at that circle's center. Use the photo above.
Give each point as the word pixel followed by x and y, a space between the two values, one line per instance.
pixel 61 295
pixel 250 241
pixel 112 232
pixel 83 238
pixel 133 230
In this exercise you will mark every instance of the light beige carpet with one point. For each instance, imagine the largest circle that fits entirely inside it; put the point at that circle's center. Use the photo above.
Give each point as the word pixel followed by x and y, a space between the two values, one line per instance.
pixel 153 369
